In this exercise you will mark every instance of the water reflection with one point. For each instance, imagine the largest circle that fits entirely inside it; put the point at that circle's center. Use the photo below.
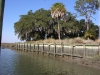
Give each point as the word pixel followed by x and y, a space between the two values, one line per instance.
pixel 22 63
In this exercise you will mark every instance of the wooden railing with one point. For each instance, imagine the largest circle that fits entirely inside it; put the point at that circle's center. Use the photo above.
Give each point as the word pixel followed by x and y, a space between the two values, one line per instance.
pixel 62 49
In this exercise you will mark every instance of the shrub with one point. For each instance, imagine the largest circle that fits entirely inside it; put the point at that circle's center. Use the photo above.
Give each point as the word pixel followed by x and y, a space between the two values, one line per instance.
pixel 90 34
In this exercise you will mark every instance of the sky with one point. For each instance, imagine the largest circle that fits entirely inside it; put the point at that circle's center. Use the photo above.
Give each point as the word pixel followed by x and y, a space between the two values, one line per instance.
pixel 14 8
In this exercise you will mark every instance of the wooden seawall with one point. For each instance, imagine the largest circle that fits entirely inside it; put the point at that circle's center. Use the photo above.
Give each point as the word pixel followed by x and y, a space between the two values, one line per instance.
pixel 73 50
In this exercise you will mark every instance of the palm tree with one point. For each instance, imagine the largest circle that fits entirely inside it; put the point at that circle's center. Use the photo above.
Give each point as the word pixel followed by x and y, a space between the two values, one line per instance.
pixel 58 12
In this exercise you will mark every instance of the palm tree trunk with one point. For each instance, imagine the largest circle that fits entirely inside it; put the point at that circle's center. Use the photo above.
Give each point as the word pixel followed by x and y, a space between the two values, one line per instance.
pixel 58 30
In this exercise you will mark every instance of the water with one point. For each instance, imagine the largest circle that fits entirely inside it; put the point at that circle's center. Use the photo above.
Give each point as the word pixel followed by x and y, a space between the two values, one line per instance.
pixel 14 62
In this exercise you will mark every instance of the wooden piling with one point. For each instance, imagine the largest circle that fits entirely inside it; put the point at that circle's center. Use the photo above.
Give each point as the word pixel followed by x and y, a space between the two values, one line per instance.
pixel 84 52
pixel 54 49
pixel 62 45
pixel 23 47
pixel 19 46
pixel 37 47
pixel 48 49
pixel 30 47
pixel 43 48
pixel 34 47
pixel 72 54
pixel 16 46
pixel 27 48
pixel 99 49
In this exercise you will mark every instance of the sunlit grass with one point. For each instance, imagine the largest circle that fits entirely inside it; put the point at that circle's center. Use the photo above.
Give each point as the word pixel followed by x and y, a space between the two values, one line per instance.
pixel 50 40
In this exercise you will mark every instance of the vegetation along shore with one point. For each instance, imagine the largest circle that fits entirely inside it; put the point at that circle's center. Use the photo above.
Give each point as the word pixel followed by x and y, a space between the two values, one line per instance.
pixel 58 25
pixel 87 61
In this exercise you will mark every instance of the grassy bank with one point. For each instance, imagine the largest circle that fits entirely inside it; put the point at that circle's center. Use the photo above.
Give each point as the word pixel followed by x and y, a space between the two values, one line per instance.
pixel 8 45
pixel 68 41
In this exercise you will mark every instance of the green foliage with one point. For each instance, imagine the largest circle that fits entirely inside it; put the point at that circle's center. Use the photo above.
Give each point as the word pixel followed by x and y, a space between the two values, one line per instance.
pixel 94 2
pixel 36 36
pixel 93 31
pixel 42 16
pixel 91 34
pixel 29 23
pixel 58 11
pixel 86 7
pixel 24 26
pixel 27 28
pixel 59 7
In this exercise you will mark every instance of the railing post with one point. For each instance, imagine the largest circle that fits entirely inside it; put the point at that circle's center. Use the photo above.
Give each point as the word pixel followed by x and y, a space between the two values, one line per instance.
pixel 16 45
pixel 84 52
pixel 23 47
pixel 72 50
pixel 27 47
pixel 54 49
pixel 30 47
pixel 19 45
pixel 99 49
pixel 34 47
pixel 48 49
pixel 43 48
pixel 38 47
pixel 62 45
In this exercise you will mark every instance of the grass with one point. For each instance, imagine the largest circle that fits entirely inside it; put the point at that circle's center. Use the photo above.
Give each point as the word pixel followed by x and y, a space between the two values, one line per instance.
pixel 69 41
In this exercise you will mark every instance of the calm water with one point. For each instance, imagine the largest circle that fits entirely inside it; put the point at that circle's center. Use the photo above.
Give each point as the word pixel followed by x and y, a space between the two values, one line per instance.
pixel 14 62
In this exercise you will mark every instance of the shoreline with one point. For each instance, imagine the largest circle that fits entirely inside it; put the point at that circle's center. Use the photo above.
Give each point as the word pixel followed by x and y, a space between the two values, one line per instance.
pixel 87 62
pixel 8 45
pixel 93 62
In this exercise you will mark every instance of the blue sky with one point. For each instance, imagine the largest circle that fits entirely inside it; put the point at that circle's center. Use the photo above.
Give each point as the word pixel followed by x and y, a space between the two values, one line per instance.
pixel 14 8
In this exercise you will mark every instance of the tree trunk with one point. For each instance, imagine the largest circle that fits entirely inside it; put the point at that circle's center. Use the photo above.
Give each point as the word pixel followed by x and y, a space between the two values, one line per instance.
pixel 87 22
pixel 58 30
pixel 26 35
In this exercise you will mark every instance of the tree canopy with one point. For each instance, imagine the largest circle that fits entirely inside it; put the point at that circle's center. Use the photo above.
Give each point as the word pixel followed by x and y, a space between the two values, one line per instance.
pixel 41 25
pixel 87 8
